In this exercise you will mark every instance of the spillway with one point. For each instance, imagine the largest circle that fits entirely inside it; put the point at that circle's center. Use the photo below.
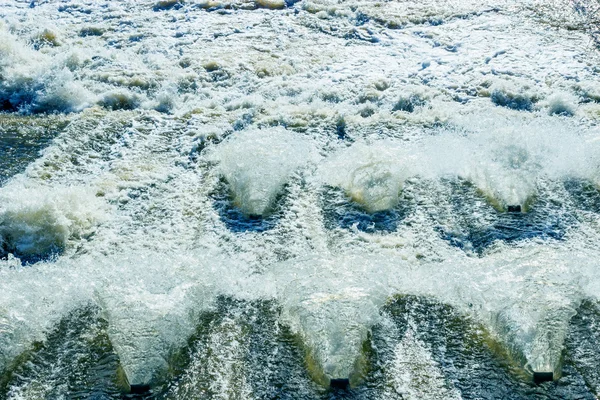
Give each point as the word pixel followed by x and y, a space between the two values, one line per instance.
pixel 299 199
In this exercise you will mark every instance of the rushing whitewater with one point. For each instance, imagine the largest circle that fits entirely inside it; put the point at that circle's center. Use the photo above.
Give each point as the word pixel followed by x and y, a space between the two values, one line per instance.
pixel 299 199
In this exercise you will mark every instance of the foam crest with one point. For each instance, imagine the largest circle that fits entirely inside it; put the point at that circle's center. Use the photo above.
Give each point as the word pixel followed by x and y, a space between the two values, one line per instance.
pixel 31 81
pixel 257 163
pixel 38 221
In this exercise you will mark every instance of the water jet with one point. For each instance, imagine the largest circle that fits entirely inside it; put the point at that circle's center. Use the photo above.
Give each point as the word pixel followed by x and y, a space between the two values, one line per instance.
pixel 332 311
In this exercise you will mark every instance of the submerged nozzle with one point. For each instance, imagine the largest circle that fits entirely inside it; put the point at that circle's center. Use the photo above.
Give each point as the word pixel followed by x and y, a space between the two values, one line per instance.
pixel 339 383
pixel 139 388
pixel 539 377
pixel 514 209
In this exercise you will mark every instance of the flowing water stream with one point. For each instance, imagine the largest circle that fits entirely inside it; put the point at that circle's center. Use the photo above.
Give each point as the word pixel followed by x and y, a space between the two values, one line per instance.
pixel 279 199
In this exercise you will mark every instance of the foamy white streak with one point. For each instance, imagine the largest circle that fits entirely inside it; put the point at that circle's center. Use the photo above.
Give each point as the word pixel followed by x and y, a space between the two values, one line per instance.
pixel 414 374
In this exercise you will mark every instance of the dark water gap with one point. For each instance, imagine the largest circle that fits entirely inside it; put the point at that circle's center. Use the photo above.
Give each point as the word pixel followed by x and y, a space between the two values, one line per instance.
pixel 582 345
pixel 584 194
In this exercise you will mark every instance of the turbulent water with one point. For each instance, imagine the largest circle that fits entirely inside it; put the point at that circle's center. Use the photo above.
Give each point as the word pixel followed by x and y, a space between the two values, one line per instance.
pixel 279 199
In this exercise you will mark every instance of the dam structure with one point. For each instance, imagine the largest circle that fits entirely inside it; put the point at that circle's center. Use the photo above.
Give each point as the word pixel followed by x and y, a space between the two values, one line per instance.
pixel 314 199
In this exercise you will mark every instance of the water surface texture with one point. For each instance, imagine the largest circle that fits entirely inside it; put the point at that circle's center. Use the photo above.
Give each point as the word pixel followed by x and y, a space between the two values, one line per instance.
pixel 279 199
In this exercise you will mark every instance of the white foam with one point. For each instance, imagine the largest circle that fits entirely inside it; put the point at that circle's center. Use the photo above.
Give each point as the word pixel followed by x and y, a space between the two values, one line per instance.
pixel 372 175
pixel 257 163
pixel 562 104
pixel 514 94
pixel 151 301
pixel 121 99
pixel 414 374
pixel 34 82
pixel 38 220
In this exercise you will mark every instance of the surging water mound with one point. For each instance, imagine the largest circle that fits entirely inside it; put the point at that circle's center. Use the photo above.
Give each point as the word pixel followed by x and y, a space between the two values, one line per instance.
pixel 421 349
pixel 332 303
pixel 372 175
pixel 527 297
pixel 506 159
pixel 339 212
pixel 152 306
pixel 235 219
pixel 38 221
pixel 257 163
pixel 31 81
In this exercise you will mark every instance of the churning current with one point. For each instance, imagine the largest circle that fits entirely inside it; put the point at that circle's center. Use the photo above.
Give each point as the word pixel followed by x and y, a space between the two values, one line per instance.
pixel 282 199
